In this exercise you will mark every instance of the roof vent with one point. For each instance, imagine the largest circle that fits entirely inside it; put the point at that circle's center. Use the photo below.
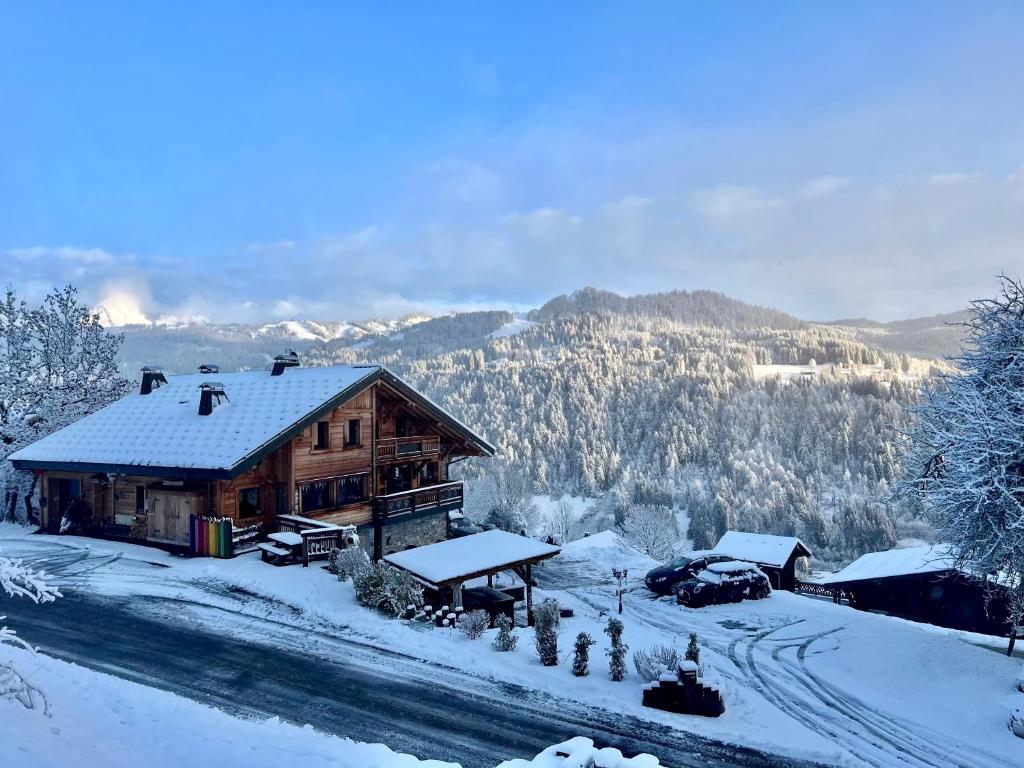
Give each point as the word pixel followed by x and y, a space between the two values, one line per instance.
pixel 288 360
pixel 209 368
pixel 152 378
pixel 210 396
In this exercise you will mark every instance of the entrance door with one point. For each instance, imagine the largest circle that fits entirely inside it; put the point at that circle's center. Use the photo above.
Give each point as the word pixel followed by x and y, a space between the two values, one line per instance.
pixel 60 492
pixel 168 516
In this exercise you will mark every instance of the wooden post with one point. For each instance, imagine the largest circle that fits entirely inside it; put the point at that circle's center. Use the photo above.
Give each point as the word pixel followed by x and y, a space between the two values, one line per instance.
pixel 529 595
pixel 1014 630
pixel 457 595
pixel 490 579
pixel 305 552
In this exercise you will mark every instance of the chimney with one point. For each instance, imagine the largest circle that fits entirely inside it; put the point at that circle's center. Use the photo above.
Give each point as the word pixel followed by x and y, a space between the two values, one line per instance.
pixel 152 378
pixel 209 368
pixel 287 360
pixel 210 396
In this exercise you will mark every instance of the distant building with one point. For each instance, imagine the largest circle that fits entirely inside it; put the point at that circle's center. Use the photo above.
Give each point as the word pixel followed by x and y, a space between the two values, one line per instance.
pixel 923 584
pixel 775 555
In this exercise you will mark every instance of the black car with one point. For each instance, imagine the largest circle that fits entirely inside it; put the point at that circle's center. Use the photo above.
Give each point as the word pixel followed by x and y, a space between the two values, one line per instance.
pixel 724 582
pixel 463 526
pixel 664 579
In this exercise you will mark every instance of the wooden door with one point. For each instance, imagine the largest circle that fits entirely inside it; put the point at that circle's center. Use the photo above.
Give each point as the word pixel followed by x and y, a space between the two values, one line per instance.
pixel 168 516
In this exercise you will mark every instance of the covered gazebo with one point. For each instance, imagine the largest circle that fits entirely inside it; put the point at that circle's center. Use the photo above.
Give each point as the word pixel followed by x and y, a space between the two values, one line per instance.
pixel 450 564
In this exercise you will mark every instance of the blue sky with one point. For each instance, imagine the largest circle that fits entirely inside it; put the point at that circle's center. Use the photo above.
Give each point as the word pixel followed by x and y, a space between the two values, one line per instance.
pixel 254 161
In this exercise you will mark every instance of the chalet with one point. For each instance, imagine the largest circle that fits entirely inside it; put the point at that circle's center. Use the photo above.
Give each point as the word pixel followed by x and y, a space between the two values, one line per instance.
pixel 923 584
pixel 775 555
pixel 335 446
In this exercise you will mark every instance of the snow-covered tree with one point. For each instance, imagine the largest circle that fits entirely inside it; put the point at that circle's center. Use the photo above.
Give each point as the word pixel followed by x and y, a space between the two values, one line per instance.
pixel 57 364
pixel 546 620
pixel 652 530
pixel 617 653
pixel 506 639
pixel 563 525
pixel 581 654
pixel 965 456
pixel 508 502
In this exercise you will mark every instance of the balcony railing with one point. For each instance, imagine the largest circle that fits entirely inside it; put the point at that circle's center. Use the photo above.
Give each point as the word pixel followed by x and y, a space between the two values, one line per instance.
pixel 444 496
pixel 398 448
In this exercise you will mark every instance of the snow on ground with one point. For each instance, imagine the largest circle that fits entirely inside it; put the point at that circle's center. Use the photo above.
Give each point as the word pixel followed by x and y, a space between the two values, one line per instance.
pixel 800 677
pixel 511 328
pixel 92 720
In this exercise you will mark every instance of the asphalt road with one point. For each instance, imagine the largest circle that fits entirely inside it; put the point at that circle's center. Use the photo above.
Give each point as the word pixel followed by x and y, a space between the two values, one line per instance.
pixel 342 688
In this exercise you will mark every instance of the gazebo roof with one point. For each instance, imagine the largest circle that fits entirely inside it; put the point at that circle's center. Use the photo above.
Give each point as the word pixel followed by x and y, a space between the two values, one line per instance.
pixel 458 560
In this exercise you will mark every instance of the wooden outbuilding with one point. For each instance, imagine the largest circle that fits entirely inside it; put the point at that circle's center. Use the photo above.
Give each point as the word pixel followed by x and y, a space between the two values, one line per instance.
pixel 923 584
pixel 775 555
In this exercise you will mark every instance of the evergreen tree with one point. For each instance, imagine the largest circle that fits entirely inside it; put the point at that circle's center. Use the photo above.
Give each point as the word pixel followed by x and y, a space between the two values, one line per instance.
pixel 692 649
pixel 546 620
pixel 617 652
pixel 506 639
pixel 581 654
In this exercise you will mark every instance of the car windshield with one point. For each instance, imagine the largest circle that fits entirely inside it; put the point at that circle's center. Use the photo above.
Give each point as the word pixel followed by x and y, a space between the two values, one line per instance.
pixel 680 562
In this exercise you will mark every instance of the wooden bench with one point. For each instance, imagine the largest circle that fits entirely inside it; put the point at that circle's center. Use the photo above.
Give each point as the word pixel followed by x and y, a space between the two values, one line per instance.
pixel 274 554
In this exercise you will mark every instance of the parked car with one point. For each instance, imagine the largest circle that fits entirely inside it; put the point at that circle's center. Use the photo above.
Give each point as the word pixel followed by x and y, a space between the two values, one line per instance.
pixel 724 582
pixel 664 579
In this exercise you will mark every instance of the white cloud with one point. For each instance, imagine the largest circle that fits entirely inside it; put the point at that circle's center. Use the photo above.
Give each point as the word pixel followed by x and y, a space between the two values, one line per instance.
pixel 729 204
pixel 823 186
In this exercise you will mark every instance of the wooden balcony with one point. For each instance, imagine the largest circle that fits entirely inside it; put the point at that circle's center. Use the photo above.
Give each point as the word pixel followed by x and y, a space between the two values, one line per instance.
pixel 442 497
pixel 403 448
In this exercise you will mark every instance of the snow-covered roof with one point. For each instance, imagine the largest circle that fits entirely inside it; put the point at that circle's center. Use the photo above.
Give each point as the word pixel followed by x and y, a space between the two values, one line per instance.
pixel 163 431
pixel 931 558
pixel 469 556
pixel 760 548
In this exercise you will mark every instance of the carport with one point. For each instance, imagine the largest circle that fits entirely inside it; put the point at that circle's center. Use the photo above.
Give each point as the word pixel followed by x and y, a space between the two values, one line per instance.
pixel 449 564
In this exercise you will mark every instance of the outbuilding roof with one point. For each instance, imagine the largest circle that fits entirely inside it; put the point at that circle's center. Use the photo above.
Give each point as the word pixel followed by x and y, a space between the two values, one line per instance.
pixel 458 560
pixel 931 558
pixel 162 433
pixel 761 548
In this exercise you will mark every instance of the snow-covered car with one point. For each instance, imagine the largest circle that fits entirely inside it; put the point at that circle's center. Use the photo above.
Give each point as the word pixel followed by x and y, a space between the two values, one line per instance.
pixel 665 579
pixel 724 582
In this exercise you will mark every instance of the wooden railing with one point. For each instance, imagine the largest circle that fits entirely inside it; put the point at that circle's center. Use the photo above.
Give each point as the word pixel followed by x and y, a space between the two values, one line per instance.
pixel 397 448
pixel 442 496
pixel 318 538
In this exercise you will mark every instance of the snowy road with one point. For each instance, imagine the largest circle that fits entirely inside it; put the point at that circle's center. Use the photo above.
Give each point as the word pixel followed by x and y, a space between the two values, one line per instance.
pixel 338 686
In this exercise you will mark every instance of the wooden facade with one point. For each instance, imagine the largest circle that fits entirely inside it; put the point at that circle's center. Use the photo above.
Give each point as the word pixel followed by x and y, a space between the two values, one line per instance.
pixel 377 460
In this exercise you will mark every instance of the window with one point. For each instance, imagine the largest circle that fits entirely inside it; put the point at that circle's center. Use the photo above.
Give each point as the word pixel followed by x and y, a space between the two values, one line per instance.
pixel 352 489
pixel 323 436
pixel 403 425
pixel 140 499
pixel 248 502
pixel 354 435
pixel 428 473
pixel 315 495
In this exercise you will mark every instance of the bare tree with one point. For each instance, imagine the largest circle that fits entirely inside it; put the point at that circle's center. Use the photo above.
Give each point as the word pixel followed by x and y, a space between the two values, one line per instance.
pixel 652 530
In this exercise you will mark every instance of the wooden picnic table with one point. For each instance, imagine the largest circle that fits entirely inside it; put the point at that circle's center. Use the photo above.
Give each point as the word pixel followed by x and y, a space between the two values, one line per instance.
pixel 284 546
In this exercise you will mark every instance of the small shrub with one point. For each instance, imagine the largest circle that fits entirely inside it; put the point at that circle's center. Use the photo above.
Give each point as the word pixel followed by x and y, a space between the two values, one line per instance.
pixel 349 563
pixel 617 653
pixel 474 624
pixel 655 662
pixel 506 639
pixel 546 619
pixel 693 650
pixel 581 656
pixel 381 586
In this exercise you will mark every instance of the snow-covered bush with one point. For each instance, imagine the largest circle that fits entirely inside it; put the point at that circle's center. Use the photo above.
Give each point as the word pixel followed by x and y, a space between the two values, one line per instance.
pixel 387 588
pixel 546 620
pixel 581 654
pixel 506 639
pixel 617 653
pixel 349 562
pixel 655 662
pixel 474 624
pixel 1017 721
pixel 18 580
pixel 580 752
